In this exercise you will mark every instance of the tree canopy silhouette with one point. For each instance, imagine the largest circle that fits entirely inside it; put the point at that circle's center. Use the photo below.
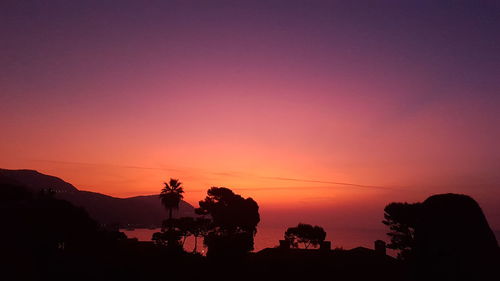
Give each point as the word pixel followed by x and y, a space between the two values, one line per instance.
pixel 306 234
pixel 41 227
pixel 234 222
pixel 170 238
pixel 230 211
pixel 49 222
pixel 401 218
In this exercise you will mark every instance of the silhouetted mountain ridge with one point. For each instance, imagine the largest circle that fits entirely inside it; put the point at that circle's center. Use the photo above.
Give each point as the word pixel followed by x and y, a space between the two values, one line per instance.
pixel 138 211
pixel 35 181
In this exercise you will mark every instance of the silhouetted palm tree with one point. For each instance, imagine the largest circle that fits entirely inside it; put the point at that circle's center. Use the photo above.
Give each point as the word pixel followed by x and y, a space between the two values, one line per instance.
pixel 171 195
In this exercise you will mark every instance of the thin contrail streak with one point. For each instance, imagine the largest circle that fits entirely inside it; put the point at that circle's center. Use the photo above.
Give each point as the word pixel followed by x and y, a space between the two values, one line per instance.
pixel 232 174
pixel 329 182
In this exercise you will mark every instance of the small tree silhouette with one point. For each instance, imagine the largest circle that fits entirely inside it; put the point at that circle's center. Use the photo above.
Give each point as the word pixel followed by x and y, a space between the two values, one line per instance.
pixel 183 226
pixel 306 234
pixel 199 228
pixel 169 238
pixel 178 230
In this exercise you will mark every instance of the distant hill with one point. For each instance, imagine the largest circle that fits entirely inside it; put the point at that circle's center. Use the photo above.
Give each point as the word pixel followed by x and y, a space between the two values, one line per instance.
pixel 139 211
pixel 35 181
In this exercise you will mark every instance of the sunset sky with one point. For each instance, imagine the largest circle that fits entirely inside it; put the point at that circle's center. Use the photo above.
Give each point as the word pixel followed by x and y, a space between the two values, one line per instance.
pixel 311 105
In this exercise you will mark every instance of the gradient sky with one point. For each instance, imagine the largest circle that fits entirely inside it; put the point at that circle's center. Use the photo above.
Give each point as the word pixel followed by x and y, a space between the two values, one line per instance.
pixel 324 106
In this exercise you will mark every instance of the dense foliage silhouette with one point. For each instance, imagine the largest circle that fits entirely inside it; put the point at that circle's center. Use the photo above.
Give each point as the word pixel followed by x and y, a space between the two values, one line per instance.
pixel 401 218
pixel 234 222
pixel 40 229
pixel 306 234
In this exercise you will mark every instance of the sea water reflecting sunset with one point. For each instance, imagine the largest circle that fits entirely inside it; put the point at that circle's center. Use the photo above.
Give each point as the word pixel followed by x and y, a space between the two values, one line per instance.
pixel 268 237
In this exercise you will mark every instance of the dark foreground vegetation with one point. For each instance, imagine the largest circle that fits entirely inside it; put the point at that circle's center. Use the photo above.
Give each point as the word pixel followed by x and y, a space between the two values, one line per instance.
pixel 446 237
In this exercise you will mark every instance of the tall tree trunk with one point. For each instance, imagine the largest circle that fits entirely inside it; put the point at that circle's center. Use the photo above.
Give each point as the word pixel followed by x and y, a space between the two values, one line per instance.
pixel 195 244
pixel 170 213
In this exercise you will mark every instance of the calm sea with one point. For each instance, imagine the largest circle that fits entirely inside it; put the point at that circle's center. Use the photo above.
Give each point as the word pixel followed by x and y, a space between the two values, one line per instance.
pixel 268 237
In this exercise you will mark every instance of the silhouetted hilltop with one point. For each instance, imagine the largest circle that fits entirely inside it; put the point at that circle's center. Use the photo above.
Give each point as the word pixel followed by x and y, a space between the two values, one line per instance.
pixel 35 181
pixel 454 220
pixel 453 239
pixel 139 211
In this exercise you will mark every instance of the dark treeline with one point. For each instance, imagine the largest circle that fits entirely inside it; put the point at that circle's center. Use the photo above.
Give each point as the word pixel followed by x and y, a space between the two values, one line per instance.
pixel 446 237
